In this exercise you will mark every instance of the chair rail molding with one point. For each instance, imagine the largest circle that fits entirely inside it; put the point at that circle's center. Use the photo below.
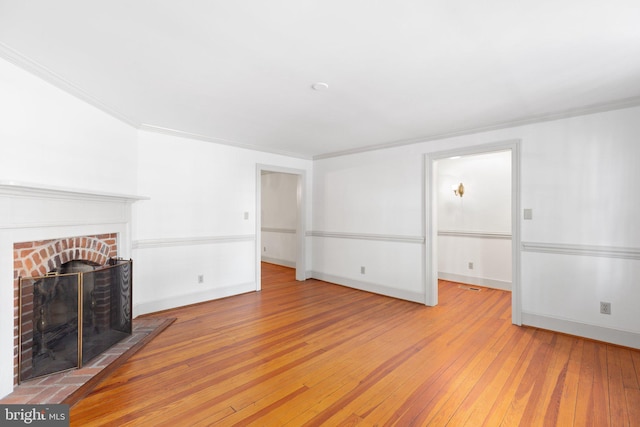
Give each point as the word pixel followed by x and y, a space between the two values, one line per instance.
pixel 366 236
pixel 584 250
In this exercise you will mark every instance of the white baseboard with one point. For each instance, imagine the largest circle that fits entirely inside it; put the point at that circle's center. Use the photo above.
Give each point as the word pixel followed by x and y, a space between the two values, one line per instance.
pixel 479 281
pixel 370 287
pixel 276 261
pixel 585 330
pixel 192 298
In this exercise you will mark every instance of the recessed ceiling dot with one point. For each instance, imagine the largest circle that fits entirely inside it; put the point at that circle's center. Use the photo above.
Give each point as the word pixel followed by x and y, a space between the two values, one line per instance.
pixel 320 86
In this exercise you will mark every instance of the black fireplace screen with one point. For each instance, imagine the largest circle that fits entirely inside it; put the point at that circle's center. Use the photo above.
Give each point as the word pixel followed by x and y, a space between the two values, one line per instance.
pixel 67 319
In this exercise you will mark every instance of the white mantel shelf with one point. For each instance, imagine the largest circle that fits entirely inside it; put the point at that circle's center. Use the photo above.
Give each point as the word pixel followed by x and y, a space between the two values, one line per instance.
pixel 18 188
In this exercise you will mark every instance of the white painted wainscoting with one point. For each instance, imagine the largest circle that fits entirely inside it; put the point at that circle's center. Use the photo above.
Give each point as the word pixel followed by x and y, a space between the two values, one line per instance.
pixel 488 252
pixel 600 273
pixel 279 246
pixel 389 262
pixel 180 271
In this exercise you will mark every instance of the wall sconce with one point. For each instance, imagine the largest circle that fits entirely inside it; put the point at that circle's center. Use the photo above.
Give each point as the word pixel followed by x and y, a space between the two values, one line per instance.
pixel 459 190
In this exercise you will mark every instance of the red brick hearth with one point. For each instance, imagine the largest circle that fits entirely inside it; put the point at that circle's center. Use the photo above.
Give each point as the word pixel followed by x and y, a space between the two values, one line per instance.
pixel 71 386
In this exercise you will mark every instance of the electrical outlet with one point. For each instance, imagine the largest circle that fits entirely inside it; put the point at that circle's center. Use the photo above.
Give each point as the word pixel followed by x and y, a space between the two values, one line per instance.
pixel 264 249
pixel 362 270
pixel 605 307
pixel 470 266
pixel 201 278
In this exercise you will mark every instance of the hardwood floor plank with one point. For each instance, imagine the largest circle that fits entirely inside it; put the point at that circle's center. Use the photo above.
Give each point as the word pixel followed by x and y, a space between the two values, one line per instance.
pixel 315 353
pixel 431 367
pixel 487 383
pixel 592 407
pixel 569 397
pixel 632 399
pixel 548 407
pixel 635 357
pixel 616 379
pixel 526 386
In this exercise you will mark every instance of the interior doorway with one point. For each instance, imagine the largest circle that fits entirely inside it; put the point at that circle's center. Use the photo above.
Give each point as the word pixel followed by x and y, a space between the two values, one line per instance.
pixel 299 231
pixel 462 268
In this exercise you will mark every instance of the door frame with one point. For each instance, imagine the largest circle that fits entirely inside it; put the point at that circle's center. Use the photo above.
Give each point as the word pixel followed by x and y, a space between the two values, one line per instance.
pixel 431 220
pixel 301 227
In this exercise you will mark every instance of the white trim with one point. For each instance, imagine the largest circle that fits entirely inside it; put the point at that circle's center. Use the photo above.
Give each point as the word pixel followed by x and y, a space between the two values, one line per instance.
pixel 594 332
pixel 190 241
pixel 369 287
pixel 480 281
pixel 278 230
pixel 72 89
pixel 189 135
pixel 28 189
pixel 575 112
pixel 282 262
pixel 431 220
pixel 73 223
pixel 192 298
pixel 301 224
pixel 584 250
pixel 60 82
pixel 476 234
pixel 365 236
pixel 39 70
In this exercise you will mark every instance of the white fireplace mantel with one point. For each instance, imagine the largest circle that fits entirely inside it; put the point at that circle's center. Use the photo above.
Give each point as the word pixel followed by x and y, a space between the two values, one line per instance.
pixel 18 188
pixel 31 212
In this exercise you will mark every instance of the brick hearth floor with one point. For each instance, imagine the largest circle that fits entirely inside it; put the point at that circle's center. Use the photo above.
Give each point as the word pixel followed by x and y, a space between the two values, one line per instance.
pixel 71 386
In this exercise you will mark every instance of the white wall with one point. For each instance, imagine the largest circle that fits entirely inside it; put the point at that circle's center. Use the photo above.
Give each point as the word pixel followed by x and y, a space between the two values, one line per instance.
pixel 368 212
pixel 194 223
pixel 279 218
pixel 50 138
pixel 475 228
pixel 582 246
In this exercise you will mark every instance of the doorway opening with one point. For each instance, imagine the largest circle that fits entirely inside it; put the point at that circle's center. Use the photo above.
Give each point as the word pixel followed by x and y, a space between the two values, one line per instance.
pixel 465 235
pixel 280 219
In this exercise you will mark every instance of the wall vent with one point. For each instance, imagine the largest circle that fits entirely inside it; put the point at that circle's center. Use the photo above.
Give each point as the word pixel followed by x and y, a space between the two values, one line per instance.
pixel 469 288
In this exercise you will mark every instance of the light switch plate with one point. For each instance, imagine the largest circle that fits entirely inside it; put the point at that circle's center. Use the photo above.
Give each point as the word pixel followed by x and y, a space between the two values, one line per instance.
pixel 528 214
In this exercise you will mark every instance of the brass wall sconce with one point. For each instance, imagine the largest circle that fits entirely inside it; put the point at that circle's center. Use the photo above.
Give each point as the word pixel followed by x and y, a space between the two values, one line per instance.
pixel 459 190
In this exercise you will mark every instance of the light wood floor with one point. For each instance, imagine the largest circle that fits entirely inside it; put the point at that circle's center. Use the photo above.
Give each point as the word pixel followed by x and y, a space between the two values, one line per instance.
pixel 316 354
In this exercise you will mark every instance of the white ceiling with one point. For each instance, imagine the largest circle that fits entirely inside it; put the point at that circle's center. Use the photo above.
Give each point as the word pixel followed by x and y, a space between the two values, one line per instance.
pixel 241 71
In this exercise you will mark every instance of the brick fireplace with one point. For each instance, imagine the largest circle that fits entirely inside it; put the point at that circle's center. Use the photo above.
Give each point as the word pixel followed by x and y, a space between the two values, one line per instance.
pixel 43 227
pixel 38 258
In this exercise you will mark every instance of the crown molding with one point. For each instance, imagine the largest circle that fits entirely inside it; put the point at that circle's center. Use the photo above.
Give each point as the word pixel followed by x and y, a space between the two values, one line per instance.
pixel 60 82
pixel 39 70
pixel 182 134
pixel 564 114
pixel 46 74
